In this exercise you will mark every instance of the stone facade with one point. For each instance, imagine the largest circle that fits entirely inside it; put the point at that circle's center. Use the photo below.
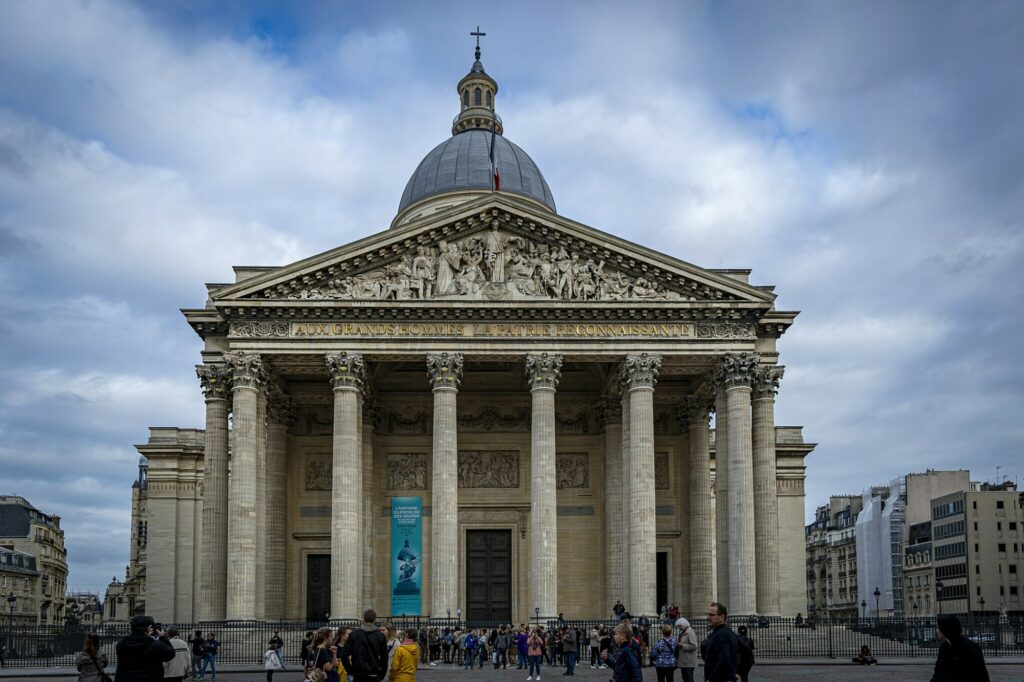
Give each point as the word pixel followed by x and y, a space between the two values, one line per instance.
pixel 33 533
pixel 520 372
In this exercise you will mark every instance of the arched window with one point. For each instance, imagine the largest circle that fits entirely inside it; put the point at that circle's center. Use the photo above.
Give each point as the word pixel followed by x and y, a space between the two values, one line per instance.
pixel 465 98
pixel 476 97
pixel 488 99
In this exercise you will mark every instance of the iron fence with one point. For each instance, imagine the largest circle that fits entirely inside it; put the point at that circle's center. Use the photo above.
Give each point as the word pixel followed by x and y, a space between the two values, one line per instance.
pixel 245 642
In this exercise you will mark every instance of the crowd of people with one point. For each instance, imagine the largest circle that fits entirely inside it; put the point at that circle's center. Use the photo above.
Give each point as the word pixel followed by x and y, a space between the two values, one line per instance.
pixel 380 653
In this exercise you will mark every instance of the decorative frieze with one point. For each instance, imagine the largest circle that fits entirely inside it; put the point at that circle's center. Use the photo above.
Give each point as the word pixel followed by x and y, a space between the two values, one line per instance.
pixel 259 328
pixel 488 469
pixel 543 370
pixel 573 422
pixel 572 470
pixel 725 330
pixel 444 370
pixel 215 381
pixel 407 471
pixel 247 370
pixel 346 370
pixel 491 418
pixel 640 371
pixel 409 423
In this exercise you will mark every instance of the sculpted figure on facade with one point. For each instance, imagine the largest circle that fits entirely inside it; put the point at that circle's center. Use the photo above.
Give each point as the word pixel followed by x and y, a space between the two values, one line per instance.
pixel 318 473
pixel 572 470
pixel 407 471
pixel 488 469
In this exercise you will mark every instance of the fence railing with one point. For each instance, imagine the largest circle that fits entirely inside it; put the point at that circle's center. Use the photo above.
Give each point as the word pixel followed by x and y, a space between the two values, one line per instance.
pixel 245 642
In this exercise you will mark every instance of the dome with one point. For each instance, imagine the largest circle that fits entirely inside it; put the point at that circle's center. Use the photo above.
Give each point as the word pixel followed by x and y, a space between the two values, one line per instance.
pixel 463 162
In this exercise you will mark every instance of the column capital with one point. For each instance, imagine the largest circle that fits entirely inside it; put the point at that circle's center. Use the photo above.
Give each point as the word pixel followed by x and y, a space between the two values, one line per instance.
pixel 766 380
pixel 444 370
pixel 215 381
pixel 280 408
pixel 543 370
pixel 696 410
pixel 345 369
pixel 247 370
pixel 609 411
pixel 736 370
pixel 640 371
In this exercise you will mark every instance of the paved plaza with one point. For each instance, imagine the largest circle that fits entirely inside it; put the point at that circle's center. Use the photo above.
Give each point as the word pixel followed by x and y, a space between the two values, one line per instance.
pixel 915 672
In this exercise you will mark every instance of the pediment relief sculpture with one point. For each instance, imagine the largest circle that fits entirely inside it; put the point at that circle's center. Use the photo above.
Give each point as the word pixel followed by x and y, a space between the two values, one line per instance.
pixel 492 264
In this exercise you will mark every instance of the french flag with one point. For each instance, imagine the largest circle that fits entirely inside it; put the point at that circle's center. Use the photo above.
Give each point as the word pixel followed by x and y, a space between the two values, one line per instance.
pixel 495 172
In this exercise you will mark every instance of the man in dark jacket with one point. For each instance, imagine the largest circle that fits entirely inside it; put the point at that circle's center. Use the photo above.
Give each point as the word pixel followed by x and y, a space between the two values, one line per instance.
pixel 721 657
pixel 959 659
pixel 141 655
pixel 368 651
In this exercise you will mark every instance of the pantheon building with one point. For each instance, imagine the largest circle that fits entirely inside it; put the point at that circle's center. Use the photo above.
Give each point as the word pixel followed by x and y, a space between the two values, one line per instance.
pixel 541 390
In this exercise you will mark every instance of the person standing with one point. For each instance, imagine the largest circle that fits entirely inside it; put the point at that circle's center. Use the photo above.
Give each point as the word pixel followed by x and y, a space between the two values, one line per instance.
pixel 341 652
pixel 535 652
pixel 686 649
pixel 625 661
pixel 391 635
pixel 745 653
pixel 90 662
pixel 304 653
pixel 368 650
pixel 595 647
pixel 663 655
pixel 277 645
pixel 522 648
pixel 407 656
pixel 175 669
pixel 720 661
pixel 211 647
pixel 322 657
pixel 959 658
pixel 142 654
pixel 197 645
pixel 469 650
pixel 570 647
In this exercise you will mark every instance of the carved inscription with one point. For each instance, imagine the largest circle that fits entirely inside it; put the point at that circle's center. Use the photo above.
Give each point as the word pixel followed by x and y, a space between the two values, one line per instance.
pixel 572 470
pixel 488 468
pixel 407 471
pixel 661 471
pixel 318 472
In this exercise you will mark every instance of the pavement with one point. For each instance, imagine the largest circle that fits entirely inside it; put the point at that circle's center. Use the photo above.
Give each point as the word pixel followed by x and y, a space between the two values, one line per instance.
pixel 897 670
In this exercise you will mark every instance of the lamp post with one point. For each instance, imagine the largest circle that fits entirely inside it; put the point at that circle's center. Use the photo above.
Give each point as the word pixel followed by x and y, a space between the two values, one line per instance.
pixel 11 602
pixel 878 594
pixel 863 609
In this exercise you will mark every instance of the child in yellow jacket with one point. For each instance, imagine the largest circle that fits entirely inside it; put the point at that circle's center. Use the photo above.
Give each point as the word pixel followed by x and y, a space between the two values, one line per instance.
pixel 407 656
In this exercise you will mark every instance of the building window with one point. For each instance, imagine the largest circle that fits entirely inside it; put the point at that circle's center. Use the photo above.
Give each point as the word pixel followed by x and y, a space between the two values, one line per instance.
pixel 1013 525
pixel 1013 590
pixel 999 526
pixel 999 504
pixel 488 99
pixel 1002 546
pixel 476 97
pixel 465 98
pixel 1013 568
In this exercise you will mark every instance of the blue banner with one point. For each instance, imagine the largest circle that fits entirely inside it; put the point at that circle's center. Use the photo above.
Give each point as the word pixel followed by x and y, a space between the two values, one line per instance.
pixel 406 553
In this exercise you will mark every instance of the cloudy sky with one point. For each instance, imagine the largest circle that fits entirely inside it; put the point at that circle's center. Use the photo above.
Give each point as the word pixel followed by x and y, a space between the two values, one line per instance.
pixel 864 157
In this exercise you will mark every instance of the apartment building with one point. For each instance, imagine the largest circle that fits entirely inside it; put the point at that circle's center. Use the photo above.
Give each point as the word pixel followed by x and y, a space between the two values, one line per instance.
pixel 832 557
pixel 26 529
pixel 19 586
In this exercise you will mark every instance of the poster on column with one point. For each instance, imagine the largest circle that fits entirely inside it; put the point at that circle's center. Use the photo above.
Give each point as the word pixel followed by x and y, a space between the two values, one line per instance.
pixel 406 552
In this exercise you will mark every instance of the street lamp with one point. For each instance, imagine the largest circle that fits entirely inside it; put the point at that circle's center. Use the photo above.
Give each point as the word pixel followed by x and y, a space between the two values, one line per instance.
pixel 863 608
pixel 878 594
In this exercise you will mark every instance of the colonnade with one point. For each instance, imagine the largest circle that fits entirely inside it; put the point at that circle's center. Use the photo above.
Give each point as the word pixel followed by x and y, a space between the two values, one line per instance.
pixel 244 518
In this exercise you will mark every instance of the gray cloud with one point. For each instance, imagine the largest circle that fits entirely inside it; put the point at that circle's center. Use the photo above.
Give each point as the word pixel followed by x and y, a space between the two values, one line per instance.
pixel 864 158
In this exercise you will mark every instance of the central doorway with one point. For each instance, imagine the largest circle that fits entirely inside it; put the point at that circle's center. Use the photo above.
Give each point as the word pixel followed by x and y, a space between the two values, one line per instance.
pixel 489 576
pixel 318 587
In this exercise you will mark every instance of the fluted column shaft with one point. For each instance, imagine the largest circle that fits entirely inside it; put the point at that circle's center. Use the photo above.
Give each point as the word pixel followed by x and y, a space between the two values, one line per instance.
pixel 543 372
pixel 279 416
pixel 735 375
pixel 699 517
pixel 611 417
pixel 346 371
pixel 640 373
pixel 248 379
pixel 627 502
pixel 368 416
pixel 722 499
pixel 261 504
pixel 766 501
pixel 216 383
pixel 445 372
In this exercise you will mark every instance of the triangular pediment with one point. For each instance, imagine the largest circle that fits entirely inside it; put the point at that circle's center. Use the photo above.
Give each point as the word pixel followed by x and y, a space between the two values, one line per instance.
pixel 493 249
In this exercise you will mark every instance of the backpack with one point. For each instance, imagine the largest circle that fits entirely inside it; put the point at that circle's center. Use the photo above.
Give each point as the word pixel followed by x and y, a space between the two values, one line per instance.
pixel 663 655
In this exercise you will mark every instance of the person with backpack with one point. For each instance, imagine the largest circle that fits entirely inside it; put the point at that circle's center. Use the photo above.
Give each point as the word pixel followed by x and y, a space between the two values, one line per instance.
pixel 368 651
pixel 90 662
pixel 745 652
pixel 663 655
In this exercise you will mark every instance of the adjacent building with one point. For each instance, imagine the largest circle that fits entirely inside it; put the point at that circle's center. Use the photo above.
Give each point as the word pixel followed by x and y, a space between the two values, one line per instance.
pixel 34 533
pixel 19 587
pixel 83 608
pixel 977 539
pixel 126 598
pixel 832 558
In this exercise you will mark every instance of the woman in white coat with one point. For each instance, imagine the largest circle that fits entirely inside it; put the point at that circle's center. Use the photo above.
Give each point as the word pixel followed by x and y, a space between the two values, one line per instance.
pixel 686 649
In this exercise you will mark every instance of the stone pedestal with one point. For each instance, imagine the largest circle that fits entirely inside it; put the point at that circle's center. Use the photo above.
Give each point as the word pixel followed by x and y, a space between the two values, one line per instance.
pixel 766 501
pixel 543 372
pixel 614 520
pixel 639 374
pixel 696 414
pixel 445 372
pixel 248 379
pixel 346 372
pixel 216 383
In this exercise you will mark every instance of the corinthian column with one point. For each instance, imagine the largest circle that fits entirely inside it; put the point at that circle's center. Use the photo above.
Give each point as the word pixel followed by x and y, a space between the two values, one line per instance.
pixel 696 413
pixel 627 503
pixel 216 383
pixel 369 417
pixel 248 379
pixel 766 501
pixel 346 371
pixel 543 372
pixel 280 415
pixel 261 504
pixel 735 373
pixel 445 372
pixel 639 374
pixel 722 496
pixel 610 416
